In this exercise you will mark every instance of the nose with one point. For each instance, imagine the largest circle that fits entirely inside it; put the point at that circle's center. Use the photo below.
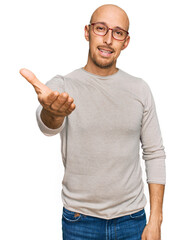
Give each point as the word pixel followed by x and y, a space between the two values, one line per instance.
pixel 108 37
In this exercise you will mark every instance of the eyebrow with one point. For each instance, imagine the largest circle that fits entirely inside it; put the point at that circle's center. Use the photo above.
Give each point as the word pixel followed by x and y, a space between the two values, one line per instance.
pixel 113 27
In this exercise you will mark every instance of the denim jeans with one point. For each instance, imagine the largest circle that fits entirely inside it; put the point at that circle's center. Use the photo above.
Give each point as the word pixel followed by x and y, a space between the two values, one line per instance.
pixel 77 226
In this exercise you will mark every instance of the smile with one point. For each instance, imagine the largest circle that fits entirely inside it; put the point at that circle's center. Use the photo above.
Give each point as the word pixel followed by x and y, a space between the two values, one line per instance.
pixel 105 52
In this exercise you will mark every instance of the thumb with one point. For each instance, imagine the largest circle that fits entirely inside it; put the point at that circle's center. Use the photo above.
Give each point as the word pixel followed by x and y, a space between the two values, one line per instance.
pixel 39 87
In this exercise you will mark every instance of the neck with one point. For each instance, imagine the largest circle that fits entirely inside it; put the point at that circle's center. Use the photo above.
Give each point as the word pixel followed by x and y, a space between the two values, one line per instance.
pixel 92 68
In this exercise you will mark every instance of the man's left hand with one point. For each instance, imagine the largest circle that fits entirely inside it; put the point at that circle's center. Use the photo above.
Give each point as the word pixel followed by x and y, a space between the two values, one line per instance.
pixel 152 231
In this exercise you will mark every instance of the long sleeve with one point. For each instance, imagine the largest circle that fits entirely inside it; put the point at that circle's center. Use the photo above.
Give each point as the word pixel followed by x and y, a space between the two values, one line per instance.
pixel 55 84
pixel 151 139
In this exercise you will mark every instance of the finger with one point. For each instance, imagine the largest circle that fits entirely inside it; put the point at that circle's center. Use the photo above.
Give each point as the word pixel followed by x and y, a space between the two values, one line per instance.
pixel 71 108
pixel 31 78
pixel 67 108
pixel 60 101
pixel 46 101
pixel 66 105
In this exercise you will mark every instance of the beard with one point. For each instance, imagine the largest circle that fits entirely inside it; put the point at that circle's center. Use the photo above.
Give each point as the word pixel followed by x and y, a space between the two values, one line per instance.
pixel 99 63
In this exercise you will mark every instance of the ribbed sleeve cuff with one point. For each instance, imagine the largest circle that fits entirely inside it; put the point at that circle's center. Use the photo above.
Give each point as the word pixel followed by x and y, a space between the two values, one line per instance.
pixel 44 129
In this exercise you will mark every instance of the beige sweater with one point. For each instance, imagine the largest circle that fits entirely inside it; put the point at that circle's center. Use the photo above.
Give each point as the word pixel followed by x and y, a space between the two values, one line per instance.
pixel 100 143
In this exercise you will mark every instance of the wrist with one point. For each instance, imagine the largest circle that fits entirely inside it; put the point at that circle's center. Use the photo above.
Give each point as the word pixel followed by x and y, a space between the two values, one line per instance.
pixel 51 120
pixel 156 218
pixel 48 114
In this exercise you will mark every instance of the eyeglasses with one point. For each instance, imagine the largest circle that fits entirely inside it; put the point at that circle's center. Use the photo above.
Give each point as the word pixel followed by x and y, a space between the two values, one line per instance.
pixel 101 29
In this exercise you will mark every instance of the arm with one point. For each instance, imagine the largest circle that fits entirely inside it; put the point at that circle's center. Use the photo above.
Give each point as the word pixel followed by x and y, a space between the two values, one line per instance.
pixel 152 230
pixel 154 156
pixel 54 106
pixel 156 192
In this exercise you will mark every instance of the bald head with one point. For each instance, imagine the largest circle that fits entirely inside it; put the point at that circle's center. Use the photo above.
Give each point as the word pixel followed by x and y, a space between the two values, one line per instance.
pixel 115 14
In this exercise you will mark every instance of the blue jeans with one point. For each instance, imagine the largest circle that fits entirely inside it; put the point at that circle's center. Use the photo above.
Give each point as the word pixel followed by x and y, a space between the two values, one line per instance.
pixel 77 226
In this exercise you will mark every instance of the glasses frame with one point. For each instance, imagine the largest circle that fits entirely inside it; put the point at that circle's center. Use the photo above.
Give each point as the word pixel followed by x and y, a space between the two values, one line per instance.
pixel 92 24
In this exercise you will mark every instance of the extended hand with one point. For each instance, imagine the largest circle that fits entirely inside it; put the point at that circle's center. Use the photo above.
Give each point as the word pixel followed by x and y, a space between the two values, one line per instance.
pixel 54 103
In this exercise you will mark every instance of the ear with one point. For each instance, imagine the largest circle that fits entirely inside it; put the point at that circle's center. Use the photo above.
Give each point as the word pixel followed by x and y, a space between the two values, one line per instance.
pixel 87 32
pixel 126 43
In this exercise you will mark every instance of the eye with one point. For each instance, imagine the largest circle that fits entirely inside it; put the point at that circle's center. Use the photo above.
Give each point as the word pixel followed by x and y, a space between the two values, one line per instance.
pixel 100 28
pixel 118 32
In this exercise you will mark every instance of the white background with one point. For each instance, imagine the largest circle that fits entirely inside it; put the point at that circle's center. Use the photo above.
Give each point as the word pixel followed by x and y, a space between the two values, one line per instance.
pixel 47 37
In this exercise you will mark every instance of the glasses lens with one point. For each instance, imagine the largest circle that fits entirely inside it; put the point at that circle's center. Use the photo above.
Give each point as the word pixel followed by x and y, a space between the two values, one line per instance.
pixel 100 29
pixel 119 34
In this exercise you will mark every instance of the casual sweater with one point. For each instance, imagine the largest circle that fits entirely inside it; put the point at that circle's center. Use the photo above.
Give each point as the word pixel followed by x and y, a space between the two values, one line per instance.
pixel 100 143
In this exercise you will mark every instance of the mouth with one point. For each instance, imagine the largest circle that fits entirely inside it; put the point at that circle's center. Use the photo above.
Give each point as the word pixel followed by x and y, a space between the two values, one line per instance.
pixel 105 51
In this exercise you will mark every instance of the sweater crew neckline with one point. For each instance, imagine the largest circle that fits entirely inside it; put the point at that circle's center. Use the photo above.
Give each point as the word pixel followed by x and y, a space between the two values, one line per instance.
pixel 99 76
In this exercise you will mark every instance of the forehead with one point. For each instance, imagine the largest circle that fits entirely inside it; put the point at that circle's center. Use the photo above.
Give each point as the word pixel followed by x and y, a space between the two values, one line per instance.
pixel 111 16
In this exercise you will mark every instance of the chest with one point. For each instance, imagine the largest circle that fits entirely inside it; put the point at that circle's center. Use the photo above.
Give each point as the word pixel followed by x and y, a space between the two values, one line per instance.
pixel 105 111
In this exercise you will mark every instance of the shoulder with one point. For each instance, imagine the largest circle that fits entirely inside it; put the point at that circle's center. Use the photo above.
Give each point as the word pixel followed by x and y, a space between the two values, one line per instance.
pixel 135 85
pixel 131 79
pixel 59 79
pixel 56 83
pixel 73 74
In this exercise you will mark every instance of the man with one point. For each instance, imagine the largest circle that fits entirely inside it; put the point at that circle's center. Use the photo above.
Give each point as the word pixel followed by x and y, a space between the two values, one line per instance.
pixel 102 186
